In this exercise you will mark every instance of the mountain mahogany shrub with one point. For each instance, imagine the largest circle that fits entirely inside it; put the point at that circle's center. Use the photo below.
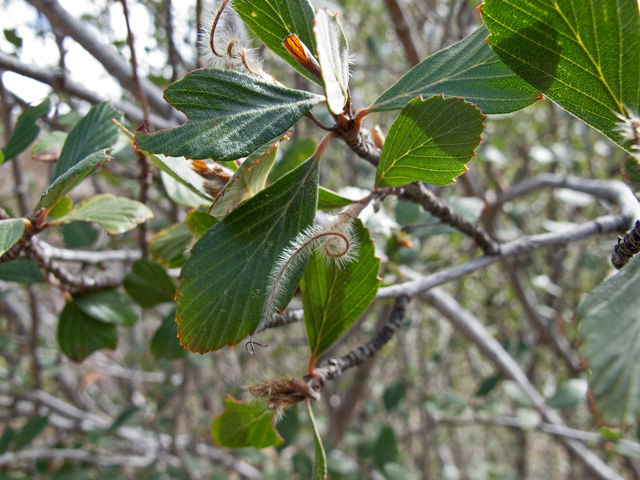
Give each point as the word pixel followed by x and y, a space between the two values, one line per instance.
pixel 257 240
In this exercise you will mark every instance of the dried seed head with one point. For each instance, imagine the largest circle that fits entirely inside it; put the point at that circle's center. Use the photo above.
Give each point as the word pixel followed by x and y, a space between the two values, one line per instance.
pixel 281 393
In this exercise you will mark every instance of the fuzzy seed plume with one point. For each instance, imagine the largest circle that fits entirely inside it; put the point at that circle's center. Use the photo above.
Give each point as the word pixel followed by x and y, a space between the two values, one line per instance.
pixel 334 239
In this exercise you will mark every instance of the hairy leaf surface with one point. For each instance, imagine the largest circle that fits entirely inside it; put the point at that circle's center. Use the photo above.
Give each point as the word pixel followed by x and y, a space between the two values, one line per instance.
pixel 467 69
pixel 583 55
pixel 333 56
pixel 431 140
pixel 230 115
pixel 333 297
pixel 224 284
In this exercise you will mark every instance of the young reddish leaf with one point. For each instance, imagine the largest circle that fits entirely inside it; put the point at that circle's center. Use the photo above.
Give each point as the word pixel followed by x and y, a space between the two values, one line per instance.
pixel 245 425
pixel 224 284
pixel 431 140
pixel 275 20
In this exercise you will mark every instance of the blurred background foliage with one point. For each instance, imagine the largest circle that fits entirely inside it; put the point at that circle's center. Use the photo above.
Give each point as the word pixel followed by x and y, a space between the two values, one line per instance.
pixel 430 405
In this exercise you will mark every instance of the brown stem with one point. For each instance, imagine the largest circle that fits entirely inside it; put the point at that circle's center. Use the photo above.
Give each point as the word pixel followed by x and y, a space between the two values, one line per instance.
pixel 142 96
pixel 627 247
pixel 334 367
pixel 405 30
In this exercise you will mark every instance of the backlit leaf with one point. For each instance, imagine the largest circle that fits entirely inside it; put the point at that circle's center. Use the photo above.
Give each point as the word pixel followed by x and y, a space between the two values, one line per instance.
pixel 230 115
pixel 320 463
pixel 115 214
pixel 223 288
pixel 170 247
pixel 583 55
pixel 245 425
pixel 333 298
pixel 610 334
pixel 431 140
pixel 247 180
pixel 467 69
pixel 274 20
pixel 69 180
pixel 296 153
pixel 199 222
pixel 96 131
pixel 333 56
pixel 328 200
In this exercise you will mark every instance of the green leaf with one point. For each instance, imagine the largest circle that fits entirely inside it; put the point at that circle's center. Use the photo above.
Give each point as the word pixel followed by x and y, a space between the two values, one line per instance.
pixel 333 297
pixel 230 115
pixel 96 131
pixel 49 147
pixel 610 333
pixel 385 449
pixel 431 140
pixel 170 247
pixel 123 418
pixel 165 342
pixel 333 56
pixel 66 182
pixel 26 130
pixel 108 306
pixel 148 284
pixel 79 335
pixel 298 152
pixel 177 168
pixel 246 181
pixel 584 55
pixel 224 284
pixel 569 394
pixel 11 231
pixel 320 464
pixel 245 425
pixel 487 385
pixel 467 69
pixel 6 440
pixel 115 214
pixel 393 395
pixel 12 37
pixel 199 222
pixel 62 208
pixel 79 234
pixel 21 271
pixel 29 432
pixel 180 194
pixel 328 200
pixel 274 20
pixel 632 172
